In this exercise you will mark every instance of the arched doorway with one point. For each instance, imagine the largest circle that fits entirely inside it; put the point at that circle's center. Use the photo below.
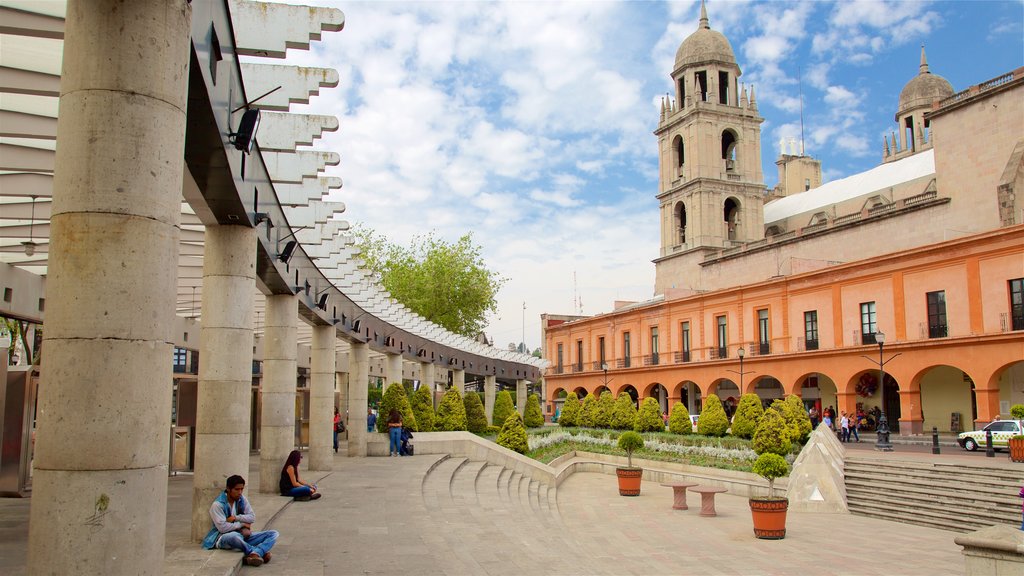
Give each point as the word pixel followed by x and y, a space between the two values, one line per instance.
pixel 731 214
pixel 729 394
pixel 659 393
pixel 818 391
pixel 629 389
pixel 871 398
pixel 947 399
pixel 689 394
pixel 769 389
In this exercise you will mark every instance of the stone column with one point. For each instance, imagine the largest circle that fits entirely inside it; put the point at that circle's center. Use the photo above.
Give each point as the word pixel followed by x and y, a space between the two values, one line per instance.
pixel 521 387
pixel 321 399
pixel 277 391
pixel 393 369
pixel 459 381
pixel 427 378
pixel 104 405
pixel 225 371
pixel 987 400
pixel 358 377
pixel 490 385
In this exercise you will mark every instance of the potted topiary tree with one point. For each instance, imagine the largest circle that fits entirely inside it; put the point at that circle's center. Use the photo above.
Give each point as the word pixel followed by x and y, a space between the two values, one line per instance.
pixel 629 477
pixel 1016 442
pixel 771 442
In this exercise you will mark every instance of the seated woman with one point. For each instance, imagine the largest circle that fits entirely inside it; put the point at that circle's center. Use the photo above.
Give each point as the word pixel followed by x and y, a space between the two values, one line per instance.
pixel 290 483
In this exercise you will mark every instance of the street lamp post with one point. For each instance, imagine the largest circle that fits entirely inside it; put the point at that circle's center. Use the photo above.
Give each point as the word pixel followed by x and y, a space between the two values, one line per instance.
pixel 604 366
pixel 741 353
pixel 882 443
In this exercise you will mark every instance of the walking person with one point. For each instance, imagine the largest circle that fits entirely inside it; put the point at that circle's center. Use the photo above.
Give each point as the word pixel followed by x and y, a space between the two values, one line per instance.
pixel 395 432
pixel 844 427
pixel 853 429
pixel 813 415
pixel 232 517
pixel 290 484
pixel 371 420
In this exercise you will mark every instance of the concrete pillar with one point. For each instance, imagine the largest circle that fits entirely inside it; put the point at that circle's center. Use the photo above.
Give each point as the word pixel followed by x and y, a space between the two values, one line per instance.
pixel 393 369
pixel 427 377
pixel 225 372
pixel 459 381
pixel 277 391
pixel 521 388
pixel 321 399
pixel 358 378
pixel 490 385
pixel 104 405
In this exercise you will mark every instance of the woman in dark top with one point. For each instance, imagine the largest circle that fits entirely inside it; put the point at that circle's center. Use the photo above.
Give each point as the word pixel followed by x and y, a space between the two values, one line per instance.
pixel 395 432
pixel 290 483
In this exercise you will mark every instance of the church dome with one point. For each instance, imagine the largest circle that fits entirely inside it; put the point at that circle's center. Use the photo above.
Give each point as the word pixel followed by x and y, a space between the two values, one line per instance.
pixel 704 45
pixel 923 89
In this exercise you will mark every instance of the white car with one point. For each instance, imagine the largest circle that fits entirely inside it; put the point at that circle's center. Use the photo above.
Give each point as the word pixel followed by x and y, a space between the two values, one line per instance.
pixel 1002 430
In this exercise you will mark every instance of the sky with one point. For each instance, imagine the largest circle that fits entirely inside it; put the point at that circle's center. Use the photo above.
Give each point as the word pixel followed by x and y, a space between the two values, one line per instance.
pixel 530 124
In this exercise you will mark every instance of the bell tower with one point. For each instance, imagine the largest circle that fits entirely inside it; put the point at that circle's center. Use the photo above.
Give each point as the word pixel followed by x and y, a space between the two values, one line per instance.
pixel 711 189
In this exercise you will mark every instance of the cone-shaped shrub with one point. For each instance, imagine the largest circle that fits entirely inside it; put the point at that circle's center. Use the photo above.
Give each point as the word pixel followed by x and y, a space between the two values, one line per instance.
pixel 772 434
pixel 423 409
pixel 748 413
pixel 648 418
pixel 624 414
pixel 394 397
pixel 791 417
pixel 605 407
pixel 588 413
pixel 796 408
pixel 533 418
pixel 503 408
pixel 712 421
pixel 679 421
pixel 476 417
pixel 513 434
pixel 451 413
pixel 570 415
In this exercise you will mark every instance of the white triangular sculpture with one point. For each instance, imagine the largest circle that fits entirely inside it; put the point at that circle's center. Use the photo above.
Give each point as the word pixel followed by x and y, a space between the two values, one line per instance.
pixel 817 483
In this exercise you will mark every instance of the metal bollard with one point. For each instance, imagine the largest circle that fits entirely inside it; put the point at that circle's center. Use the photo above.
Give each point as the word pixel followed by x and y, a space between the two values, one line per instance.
pixel 935 440
pixel 990 452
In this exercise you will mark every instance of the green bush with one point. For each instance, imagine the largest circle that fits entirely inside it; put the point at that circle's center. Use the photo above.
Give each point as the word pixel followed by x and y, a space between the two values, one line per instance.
pixel 513 434
pixel 712 421
pixel 792 415
pixel 407 384
pixel 493 430
pixel 570 415
pixel 648 419
pixel 605 408
pixel 373 396
pixel 451 413
pixel 624 413
pixel 771 466
pixel 748 413
pixel 630 442
pixel 679 421
pixel 503 408
pixel 533 418
pixel 476 417
pixel 1017 411
pixel 394 397
pixel 423 409
pixel 798 413
pixel 772 434
pixel 588 412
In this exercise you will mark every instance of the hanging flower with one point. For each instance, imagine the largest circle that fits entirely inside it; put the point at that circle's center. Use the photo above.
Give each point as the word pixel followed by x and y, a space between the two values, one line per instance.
pixel 867 385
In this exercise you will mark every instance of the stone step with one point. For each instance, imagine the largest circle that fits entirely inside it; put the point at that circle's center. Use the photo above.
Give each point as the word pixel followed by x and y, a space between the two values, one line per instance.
pixel 502 485
pixel 975 470
pixel 464 484
pixel 960 492
pixel 436 485
pixel 981 479
pixel 942 521
pixel 953 509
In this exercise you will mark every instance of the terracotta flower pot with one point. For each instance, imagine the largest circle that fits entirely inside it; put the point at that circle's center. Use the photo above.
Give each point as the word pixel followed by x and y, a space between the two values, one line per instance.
pixel 629 480
pixel 769 516
pixel 1016 446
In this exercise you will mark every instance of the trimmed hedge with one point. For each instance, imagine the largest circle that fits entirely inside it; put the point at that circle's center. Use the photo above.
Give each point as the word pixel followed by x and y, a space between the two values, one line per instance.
pixel 772 434
pixel 712 421
pixel 605 407
pixel 679 421
pixel 588 413
pixel 570 415
pixel 533 418
pixel 748 413
pixel 451 414
pixel 624 413
pixel 648 418
pixel 799 413
pixel 423 409
pixel 476 416
pixel 394 397
pixel 513 435
pixel 503 408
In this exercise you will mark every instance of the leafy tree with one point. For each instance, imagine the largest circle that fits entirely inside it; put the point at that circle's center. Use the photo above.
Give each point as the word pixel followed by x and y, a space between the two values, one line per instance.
pixel 533 417
pixel 624 414
pixel 503 408
pixel 630 442
pixel 679 421
pixel 513 434
pixel 423 409
pixel 772 434
pixel 476 417
pixel 447 283
pixel 648 418
pixel 792 415
pixel 570 415
pixel 605 407
pixel 799 413
pixel 374 395
pixel 395 398
pixel 771 466
pixel 451 413
pixel 588 414
pixel 712 421
pixel 748 413
pixel 409 391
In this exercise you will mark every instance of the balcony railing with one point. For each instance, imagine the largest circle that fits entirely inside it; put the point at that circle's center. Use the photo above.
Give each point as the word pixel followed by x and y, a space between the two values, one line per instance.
pixel 681 357
pixel 651 360
pixel 868 338
pixel 811 344
pixel 938 331
pixel 764 348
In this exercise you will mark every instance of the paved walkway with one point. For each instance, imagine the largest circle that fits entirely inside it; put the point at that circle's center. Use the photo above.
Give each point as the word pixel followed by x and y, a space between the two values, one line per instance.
pixel 436 515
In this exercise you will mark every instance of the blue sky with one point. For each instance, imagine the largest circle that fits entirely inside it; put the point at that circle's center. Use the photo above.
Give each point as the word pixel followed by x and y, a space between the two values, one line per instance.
pixel 530 123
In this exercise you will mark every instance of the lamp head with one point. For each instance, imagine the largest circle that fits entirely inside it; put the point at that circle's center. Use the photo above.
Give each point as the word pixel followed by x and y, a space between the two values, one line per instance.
pixel 880 337
pixel 604 366
pixel 741 352
pixel 247 127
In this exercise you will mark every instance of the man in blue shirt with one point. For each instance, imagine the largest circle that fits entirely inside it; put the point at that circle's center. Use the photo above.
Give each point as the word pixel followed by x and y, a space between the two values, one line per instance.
pixel 232 526
pixel 371 420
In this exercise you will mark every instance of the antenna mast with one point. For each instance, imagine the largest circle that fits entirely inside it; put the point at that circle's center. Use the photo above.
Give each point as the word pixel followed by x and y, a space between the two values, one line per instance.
pixel 800 87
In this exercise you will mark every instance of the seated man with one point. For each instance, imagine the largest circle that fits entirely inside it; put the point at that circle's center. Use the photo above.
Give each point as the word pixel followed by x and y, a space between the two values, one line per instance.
pixel 232 526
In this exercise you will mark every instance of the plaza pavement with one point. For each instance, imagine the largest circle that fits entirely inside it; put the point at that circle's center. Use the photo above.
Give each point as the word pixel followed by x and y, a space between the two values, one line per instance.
pixel 422 515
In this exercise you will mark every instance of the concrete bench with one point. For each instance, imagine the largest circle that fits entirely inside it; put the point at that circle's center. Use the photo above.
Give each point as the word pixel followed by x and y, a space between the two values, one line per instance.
pixel 707 499
pixel 679 493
